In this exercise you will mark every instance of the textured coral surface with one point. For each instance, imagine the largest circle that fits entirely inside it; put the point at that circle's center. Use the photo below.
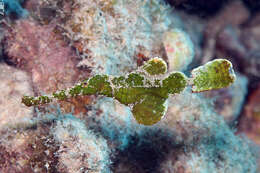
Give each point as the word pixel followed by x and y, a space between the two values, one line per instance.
pixel 51 45
pixel 14 83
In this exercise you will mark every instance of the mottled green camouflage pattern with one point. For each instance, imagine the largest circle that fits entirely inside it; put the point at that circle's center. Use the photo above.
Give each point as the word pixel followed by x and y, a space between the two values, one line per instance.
pixel 146 95
pixel 213 75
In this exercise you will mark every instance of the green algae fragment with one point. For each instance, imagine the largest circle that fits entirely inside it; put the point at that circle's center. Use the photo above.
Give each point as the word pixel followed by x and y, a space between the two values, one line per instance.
pixel 98 84
pixel 134 95
pixel 155 66
pixel 34 101
pixel 119 81
pixel 134 79
pixel 150 110
pixel 27 100
pixel 44 99
pixel 75 90
pixel 213 75
pixel 128 96
pixel 148 103
pixel 175 82
pixel 61 95
pixel 146 96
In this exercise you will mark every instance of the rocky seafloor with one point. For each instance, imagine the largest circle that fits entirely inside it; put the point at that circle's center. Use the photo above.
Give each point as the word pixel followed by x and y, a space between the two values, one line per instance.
pixel 49 45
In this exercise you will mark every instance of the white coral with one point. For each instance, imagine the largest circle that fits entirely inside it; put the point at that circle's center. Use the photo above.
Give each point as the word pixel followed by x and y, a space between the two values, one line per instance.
pixel 114 31
pixel 80 149
pixel 14 84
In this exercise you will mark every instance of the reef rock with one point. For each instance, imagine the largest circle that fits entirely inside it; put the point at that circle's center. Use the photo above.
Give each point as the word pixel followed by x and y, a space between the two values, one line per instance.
pixel 14 84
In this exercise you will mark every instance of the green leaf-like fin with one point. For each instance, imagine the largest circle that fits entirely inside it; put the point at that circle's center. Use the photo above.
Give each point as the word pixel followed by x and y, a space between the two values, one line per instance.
pixel 175 82
pixel 213 75
pixel 155 66
pixel 149 110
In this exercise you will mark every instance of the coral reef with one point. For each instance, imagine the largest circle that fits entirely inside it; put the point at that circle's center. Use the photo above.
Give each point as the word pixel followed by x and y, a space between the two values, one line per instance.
pixel 233 98
pixel 80 150
pixel 14 83
pixel 60 143
pixel 220 21
pixel 114 120
pixel 114 32
pixel 38 50
pixel 46 56
pixel 219 154
pixel 14 6
pixel 179 49
pixel 209 142
pixel 59 50
pixel 251 118
pixel 28 149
